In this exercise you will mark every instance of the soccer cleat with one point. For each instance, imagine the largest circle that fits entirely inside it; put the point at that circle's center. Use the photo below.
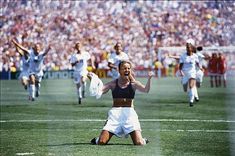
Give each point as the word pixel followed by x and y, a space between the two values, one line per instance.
pixel 146 140
pixel 79 100
pixel 196 99
pixel 190 104
pixel 31 98
pixel 25 87
pixel 93 141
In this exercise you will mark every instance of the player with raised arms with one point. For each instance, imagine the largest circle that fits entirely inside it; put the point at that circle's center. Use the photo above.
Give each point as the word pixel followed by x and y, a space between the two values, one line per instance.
pixel 35 67
pixel 122 118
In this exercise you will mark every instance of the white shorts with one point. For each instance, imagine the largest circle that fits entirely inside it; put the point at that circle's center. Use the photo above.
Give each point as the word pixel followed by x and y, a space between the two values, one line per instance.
pixel 38 75
pixel 78 75
pixel 187 76
pixel 122 121
pixel 24 75
pixel 199 76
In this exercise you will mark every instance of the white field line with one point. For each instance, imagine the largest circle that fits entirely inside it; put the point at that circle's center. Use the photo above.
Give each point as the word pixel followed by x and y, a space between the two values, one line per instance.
pixel 199 130
pixel 27 153
pixel 151 129
pixel 184 130
pixel 102 120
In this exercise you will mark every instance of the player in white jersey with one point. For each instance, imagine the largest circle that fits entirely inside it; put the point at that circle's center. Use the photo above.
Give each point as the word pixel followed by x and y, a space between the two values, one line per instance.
pixel 188 63
pixel 200 73
pixel 35 68
pixel 115 58
pixel 79 61
pixel 24 74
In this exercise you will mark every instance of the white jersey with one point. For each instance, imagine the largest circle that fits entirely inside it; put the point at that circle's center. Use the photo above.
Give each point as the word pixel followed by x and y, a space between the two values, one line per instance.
pixel 116 59
pixel 24 74
pixel 200 74
pixel 189 62
pixel 200 56
pixel 82 61
pixel 36 62
pixel 24 64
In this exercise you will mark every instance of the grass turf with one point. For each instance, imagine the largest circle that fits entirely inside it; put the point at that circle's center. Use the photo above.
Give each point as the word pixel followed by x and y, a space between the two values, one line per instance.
pixel 55 124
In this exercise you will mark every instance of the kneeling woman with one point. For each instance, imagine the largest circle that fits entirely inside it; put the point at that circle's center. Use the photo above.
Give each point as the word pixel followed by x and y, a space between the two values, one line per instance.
pixel 122 118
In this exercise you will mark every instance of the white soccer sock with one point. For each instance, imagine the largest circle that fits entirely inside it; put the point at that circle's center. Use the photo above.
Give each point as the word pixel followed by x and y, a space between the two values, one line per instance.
pixel 32 91
pixel 79 92
pixel 195 92
pixel 29 89
pixel 97 140
pixel 191 95
pixel 144 142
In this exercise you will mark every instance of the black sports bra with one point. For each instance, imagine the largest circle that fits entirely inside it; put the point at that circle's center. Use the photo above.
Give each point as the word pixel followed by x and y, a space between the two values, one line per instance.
pixel 128 92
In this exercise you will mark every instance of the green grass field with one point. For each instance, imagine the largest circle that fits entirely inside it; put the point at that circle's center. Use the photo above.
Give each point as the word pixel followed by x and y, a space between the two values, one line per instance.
pixel 55 124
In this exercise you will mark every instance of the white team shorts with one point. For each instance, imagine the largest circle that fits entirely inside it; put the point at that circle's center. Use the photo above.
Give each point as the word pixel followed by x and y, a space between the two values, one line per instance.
pixel 38 75
pixel 24 75
pixel 199 76
pixel 187 76
pixel 78 75
pixel 122 121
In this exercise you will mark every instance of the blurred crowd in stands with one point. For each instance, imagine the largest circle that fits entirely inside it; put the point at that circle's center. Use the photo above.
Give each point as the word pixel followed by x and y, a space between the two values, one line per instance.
pixel 141 26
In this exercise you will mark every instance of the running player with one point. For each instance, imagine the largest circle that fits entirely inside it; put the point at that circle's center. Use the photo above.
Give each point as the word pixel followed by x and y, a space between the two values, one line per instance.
pixel 115 58
pixel 79 61
pixel 35 67
pixel 188 62
pixel 200 73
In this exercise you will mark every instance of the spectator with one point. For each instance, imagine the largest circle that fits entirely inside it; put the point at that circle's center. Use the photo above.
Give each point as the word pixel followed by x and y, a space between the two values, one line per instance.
pixel 141 24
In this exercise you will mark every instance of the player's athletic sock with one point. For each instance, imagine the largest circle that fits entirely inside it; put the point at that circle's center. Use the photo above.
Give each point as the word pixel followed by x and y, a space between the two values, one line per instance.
pixel 83 89
pixel 191 95
pixel 145 141
pixel 32 91
pixel 38 89
pixel 195 92
pixel 79 92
